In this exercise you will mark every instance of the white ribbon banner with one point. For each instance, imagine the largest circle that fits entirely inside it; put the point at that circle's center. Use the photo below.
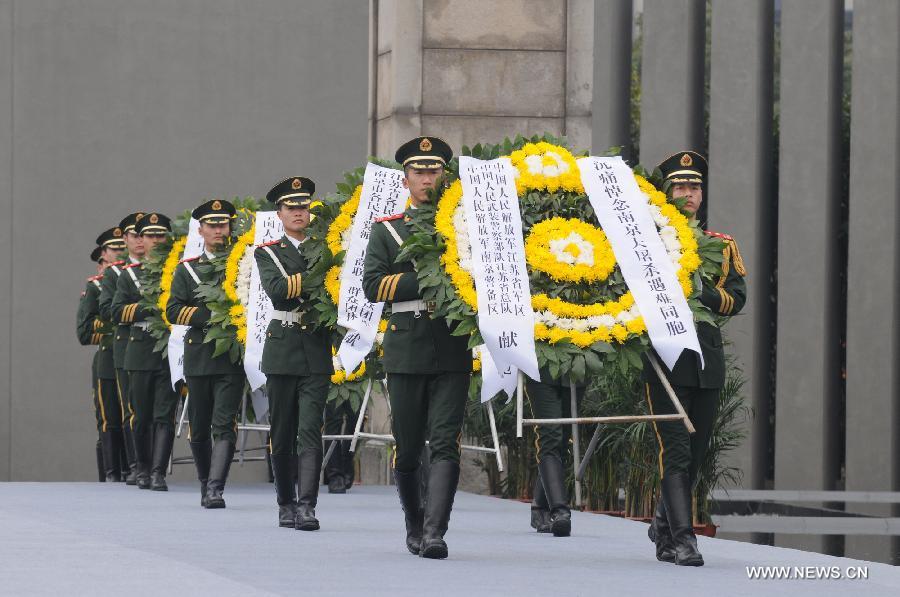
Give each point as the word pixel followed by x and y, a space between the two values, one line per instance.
pixel 192 248
pixel 623 212
pixel 493 380
pixel 259 311
pixel 382 195
pixel 505 317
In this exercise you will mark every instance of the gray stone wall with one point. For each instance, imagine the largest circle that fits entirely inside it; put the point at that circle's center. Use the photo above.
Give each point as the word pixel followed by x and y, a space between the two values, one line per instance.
pixel 107 107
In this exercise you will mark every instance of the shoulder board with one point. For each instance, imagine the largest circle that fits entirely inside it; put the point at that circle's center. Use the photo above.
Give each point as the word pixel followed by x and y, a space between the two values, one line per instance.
pixel 271 242
pixel 189 259
pixel 130 265
pixel 389 218
pixel 719 235
pixel 120 262
pixel 92 278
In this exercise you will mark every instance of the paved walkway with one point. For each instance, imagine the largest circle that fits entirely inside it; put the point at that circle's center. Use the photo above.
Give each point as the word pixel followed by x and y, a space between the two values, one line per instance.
pixel 103 539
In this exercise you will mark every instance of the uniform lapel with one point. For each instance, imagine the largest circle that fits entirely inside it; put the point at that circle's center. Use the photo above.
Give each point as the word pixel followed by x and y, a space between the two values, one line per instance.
pixel 292 256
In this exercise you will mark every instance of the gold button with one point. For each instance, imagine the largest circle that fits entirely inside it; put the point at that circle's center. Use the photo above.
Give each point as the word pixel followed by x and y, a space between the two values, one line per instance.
pixel 190 341
pixel 302 327
pixel 270 334
pixel 118 337
pixel 393 328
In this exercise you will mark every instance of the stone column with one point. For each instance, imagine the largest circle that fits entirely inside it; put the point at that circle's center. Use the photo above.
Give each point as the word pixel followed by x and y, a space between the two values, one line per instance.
pixel 808 362
pixel 612 76
pixel 873 314
pixel 672 78
pixel 741 199
pixel 470 72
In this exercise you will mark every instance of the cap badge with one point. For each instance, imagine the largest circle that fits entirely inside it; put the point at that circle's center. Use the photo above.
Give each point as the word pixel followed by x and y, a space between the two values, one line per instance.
pixel 217 205
pixel 425 144
pixel 154 218
pixel 295 184
pixel 686 160
pixel 117 232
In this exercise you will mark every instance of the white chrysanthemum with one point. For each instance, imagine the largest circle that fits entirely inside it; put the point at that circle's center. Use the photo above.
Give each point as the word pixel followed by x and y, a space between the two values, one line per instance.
pixel 536 166
pixel 243 278
pixel 463 248
pixel 586 323
pixel 573 250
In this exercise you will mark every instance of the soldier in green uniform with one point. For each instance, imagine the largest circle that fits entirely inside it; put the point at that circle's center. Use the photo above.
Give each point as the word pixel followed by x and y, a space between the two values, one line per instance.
pixel 135 248
pixel 296 360
pixel 150 383
pixel 215 384
pixel 427 368
pixel 94 330
pixel 87 337
pixel 698 389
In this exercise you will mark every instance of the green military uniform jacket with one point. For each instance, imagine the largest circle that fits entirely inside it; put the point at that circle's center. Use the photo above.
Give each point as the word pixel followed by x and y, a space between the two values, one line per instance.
pixel 107 292
pixel 414 342
pixel 726 297
pixel 93 330
pixel 126 309
pixel 290 348
pixel 185 308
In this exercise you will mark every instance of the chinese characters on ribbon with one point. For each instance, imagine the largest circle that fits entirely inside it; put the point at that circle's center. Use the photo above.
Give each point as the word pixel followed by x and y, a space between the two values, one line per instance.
pixel 192 248
pixel 505 317
pixel 259 311
pixel 625 217
pixel 382 195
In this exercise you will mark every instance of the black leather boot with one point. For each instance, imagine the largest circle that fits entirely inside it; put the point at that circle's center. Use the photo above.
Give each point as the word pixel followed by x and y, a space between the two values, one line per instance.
pixel 283 467
pixel 552 476
pixel 128 440
pixel 121 457
pixel 101 467
pixel 163 437
pixel 660 534
pixel 540 509
pixel 110 457
pixel 349 466
pixel 222 455
pixel 334 470
pixel 202 452
pixel 411 501
pixel 676 491
pixel 442 481
pixel 424 473
pixel 309 467
pixel 143 444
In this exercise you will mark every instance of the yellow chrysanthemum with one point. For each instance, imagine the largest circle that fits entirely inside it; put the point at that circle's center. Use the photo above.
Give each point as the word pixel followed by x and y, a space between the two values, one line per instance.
pixel 237 313
pixel 168 272
pixel 340 376
pixel 593 267
pixel 342 222
pixel 559 170
pixel 333 283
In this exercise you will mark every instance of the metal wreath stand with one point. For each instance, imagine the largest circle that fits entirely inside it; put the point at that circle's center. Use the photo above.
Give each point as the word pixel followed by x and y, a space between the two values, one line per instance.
pixel 358 434
pixel 580 464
